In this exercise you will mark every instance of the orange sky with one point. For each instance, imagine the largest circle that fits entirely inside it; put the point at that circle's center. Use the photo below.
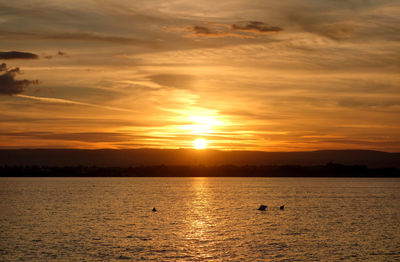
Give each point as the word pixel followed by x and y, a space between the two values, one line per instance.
pixel 243 75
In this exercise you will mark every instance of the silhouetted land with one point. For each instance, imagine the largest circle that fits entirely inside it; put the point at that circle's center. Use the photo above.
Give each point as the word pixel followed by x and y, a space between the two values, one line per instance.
pixel 328 170
pixel 191 157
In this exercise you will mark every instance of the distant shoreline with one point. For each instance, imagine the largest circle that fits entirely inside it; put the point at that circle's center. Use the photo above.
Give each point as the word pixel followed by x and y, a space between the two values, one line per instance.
pixel 125 158
pixel 328 170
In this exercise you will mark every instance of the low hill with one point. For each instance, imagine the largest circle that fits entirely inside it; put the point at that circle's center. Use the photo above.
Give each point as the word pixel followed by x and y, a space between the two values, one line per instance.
pixel 147 157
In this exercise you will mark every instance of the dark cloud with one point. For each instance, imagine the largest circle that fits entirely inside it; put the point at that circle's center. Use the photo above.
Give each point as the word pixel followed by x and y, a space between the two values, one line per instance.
pixel 59 53
pixel 205 31
pixel 202 30
pixel 17 55
pixel 255 26
pixel 9 85
pixel 214 31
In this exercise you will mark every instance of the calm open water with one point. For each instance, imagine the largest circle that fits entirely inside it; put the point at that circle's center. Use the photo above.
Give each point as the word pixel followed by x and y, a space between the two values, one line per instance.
pixel 199 219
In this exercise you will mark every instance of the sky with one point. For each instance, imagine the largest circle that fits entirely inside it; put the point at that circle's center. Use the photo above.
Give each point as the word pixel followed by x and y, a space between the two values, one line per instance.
pixel 293 75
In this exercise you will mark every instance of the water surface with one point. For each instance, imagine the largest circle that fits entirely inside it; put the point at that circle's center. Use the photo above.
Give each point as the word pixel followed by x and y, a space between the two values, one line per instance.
pixel 199 219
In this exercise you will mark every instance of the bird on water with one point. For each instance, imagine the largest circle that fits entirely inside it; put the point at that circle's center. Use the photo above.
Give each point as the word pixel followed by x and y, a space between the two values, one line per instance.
pixel 262 208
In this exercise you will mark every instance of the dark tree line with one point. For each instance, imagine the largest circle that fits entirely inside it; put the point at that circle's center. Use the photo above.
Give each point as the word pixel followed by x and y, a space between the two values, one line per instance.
pixel 328 170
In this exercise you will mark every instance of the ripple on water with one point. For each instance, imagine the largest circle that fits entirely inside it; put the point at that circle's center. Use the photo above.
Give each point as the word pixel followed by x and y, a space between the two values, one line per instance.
pixel 209 219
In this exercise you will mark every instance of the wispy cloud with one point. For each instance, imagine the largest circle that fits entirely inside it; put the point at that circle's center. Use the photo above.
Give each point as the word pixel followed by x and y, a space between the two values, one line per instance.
pixel 71 102
pixel 244 30
pixel 256 27
pixel 204 31
pixel 173 80
pixel 78 36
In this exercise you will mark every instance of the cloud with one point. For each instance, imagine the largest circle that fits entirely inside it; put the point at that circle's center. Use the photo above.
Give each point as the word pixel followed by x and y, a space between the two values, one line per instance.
pixel 17 55
pixel 173 80
pixel 369 103
pixel 9 85
pixel 255 27
pixel 59 53
pixel 79 36
pixel 331 26
pixel 215 32
pixel 79 136
pixel 202 30
pixel 245 29
pixel 71 102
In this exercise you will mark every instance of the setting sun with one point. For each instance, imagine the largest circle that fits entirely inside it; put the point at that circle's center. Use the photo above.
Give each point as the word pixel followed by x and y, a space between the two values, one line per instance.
pixel 200 143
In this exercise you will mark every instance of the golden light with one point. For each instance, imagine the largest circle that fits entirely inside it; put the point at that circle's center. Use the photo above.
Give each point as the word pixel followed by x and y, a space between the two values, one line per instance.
pixel 200 143
pixel 202 124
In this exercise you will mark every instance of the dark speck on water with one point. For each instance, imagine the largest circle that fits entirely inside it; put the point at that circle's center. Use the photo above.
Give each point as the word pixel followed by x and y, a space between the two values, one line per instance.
pixel 262 208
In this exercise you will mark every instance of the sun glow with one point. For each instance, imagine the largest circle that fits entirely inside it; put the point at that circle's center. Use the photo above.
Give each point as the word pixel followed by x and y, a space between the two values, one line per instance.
pixel 202 124
pixel 200 143
pixel 199 126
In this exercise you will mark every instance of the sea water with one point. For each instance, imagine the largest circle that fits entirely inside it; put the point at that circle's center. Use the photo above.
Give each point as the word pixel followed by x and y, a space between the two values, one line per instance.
pixel 199 219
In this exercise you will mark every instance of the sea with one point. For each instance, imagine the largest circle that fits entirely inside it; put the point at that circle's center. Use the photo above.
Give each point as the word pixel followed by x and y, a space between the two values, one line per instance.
pixel 199 219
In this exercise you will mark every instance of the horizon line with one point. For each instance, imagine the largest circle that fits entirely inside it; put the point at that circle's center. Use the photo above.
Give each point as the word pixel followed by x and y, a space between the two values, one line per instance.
pixel 198 150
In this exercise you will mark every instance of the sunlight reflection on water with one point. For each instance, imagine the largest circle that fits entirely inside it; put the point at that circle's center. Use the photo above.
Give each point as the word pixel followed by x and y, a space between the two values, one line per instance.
pixel 199 219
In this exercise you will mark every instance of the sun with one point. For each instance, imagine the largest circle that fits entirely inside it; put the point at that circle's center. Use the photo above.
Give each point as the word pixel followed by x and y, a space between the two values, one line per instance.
pixel 200 143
